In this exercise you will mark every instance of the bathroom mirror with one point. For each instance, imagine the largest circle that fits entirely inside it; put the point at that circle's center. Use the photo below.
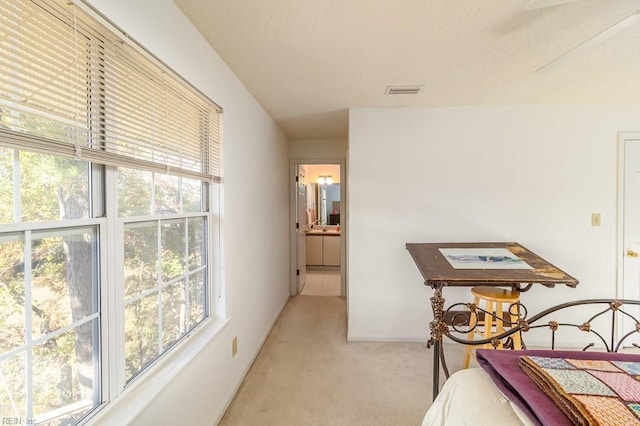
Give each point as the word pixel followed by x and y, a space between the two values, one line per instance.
pixel 323 204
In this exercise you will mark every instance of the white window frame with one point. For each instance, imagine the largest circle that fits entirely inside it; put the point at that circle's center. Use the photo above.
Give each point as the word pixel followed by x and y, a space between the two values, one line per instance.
pixel 27 232
pixel 110 227
pixel 145 387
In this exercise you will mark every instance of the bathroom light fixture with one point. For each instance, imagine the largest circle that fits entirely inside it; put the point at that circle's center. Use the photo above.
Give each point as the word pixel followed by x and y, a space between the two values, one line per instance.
pixel 325 180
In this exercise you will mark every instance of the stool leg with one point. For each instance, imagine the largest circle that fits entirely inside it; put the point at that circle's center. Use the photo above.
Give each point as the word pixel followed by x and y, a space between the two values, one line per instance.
pixel 499 321
pixel 473 321
pixel 488 323
pixel 517 339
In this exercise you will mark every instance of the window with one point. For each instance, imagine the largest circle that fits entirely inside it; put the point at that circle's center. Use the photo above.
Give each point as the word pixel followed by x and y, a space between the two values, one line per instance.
pixel 165 262
pixel 108 163
pixel 49 289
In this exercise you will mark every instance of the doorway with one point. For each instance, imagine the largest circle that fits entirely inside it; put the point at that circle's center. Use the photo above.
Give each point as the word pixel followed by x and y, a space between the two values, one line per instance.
pixel 629 218
pixel 318 216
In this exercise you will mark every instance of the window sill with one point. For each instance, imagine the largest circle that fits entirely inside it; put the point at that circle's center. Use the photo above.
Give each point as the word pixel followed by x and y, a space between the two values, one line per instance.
pixel 142 391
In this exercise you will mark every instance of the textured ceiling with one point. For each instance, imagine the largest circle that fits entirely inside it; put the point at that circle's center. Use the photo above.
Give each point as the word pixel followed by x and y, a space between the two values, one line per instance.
pixel 308 61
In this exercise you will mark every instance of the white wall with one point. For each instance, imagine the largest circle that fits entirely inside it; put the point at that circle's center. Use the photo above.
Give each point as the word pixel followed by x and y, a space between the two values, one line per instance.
pixel 531 174
pixel 255 221
pixel 318 148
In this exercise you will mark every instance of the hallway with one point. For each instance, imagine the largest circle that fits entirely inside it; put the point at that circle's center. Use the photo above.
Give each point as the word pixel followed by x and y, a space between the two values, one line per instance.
pixel 307 374
pixel 322 283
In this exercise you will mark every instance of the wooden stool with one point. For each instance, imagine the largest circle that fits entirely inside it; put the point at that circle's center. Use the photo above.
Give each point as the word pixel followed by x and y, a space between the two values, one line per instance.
pixel 494 297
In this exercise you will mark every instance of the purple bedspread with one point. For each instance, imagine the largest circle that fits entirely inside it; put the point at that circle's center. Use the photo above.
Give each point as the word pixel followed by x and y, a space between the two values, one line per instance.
pixel 504 369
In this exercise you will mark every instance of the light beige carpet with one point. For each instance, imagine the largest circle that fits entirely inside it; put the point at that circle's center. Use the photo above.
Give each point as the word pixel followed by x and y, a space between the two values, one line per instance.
pixel 307 374
pixel 322 283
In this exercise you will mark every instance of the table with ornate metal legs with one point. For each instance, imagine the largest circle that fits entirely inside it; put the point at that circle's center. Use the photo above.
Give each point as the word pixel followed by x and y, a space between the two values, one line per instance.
pixel 471 264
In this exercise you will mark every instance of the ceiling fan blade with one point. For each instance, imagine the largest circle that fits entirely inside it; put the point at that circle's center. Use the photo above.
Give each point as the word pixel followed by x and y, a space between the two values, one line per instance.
pixel 539 4
pixel 595 40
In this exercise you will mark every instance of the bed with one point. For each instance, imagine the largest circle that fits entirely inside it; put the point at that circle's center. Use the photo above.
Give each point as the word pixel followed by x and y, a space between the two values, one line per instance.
pixel 599 384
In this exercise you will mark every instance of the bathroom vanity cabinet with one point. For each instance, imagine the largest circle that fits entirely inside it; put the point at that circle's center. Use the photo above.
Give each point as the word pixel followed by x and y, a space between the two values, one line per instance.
pixel 323 248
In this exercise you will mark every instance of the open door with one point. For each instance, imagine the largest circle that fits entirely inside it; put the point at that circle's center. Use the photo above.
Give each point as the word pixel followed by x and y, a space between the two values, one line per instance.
pixel 301 226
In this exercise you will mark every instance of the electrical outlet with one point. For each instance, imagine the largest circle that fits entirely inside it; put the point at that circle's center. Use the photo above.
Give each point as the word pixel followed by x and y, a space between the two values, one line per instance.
pixel 234 346
pixel 595 219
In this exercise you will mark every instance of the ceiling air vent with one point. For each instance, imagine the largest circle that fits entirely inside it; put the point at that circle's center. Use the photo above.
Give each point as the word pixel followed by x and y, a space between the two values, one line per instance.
pixel 402 90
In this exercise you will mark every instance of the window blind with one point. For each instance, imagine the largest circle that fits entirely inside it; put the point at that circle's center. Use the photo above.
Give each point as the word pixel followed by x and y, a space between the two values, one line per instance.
pixel 71 86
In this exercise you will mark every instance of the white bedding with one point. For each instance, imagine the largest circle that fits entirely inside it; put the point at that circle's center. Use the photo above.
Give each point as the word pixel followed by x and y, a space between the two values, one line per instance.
pixel 469 397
